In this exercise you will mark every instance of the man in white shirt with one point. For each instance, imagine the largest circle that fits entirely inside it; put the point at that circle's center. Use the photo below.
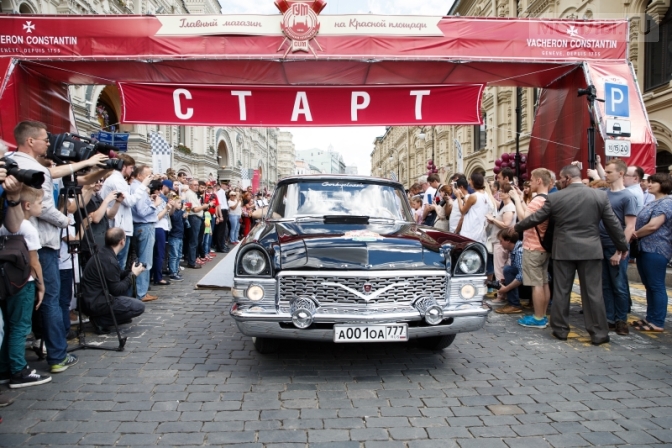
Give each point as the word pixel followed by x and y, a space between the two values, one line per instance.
pixel 631 181
pixel 222 228
pixel 118 181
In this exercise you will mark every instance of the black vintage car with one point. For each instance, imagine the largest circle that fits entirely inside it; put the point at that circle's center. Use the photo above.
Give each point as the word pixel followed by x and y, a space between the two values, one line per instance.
pixel 340 258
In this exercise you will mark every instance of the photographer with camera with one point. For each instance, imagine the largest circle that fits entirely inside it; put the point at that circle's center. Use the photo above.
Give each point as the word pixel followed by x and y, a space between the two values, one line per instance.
pixel 118 284
pixel 33 142
pixel 100 211
pixel 10 189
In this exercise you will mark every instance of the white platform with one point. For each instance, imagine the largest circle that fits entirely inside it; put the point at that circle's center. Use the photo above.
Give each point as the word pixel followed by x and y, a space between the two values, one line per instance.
pixel 221 275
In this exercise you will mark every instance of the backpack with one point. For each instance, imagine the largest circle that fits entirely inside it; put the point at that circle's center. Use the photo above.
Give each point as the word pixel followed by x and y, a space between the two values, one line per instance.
pixel 14 265
pixel 547 240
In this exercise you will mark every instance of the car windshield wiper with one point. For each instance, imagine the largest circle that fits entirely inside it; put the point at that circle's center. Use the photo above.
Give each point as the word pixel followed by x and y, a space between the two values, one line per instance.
pixel 309 218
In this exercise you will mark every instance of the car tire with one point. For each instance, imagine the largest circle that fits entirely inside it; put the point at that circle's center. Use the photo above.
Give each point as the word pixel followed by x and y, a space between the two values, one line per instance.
pixel 436 342
pixel 265 346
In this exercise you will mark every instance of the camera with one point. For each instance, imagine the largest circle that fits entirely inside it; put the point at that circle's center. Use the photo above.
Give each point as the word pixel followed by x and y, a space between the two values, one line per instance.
pixel 494 284
pixel 590 91
pixel 32 178
pixel 64 148
pixel 137 263
pixel 119 194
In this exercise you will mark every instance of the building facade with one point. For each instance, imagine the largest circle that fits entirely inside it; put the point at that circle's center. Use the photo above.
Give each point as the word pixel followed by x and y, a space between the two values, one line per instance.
pixel 286 155
pixel 205 152
pixel 328 162
pixel 405 150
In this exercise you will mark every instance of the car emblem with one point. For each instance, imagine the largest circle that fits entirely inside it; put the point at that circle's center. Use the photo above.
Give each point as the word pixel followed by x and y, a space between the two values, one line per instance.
pixel 367 296
pixel 28 26
pixel 367 288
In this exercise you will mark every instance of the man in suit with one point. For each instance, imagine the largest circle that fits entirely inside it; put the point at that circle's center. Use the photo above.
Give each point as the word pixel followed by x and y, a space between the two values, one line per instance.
pixel 577 211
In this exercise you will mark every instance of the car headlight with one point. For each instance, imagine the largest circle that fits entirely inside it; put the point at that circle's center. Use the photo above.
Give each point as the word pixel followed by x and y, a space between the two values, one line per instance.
pixel 254 262
pixel 470 262
pixel 255 293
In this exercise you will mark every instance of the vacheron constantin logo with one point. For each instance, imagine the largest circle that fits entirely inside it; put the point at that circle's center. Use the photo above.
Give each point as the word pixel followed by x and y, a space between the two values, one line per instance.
pixel 29 26
pixel 300 24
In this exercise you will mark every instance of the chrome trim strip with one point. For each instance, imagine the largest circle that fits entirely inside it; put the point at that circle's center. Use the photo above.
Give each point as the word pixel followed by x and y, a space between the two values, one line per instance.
pixel 266 329
pixel 365 274
pixel 241 314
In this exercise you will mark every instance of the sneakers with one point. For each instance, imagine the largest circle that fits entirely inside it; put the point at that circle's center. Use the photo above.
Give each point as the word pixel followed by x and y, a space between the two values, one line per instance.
pixel 69 361
pixel 532 322
pixel 27 378
pixel 496 302
pixel 509 309
pixel 5 377
pixel 176 278
pixel 195 266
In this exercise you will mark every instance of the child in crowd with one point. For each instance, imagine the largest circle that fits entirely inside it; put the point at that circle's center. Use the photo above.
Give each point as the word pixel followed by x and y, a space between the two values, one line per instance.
pixel 175 239
pixel 17 310
pixel 416 203
pixel 207 234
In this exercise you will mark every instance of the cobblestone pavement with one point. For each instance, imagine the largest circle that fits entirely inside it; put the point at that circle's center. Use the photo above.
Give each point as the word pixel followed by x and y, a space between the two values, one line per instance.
pixel 187 377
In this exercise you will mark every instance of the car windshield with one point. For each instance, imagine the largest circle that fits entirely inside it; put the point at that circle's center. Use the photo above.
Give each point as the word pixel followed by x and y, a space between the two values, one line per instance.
pixel 315 199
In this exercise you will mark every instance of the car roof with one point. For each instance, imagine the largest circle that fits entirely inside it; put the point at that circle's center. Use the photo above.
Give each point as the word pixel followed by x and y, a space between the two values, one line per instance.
pixel 338 177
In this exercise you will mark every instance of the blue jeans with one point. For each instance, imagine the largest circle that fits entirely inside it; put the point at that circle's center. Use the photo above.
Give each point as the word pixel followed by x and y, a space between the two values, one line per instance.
pixel 144 237
pixel 234 223
pixel 65 297
pixel 195 227
pixel 615 287
pixel 651 267
pixel 510 273
pixel 123 253
pixel 174 255
pixel 207 241
pixel 52 316
pixel 159 254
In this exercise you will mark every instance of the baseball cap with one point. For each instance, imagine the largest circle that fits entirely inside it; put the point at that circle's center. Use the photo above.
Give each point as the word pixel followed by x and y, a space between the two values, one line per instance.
pixel 168 183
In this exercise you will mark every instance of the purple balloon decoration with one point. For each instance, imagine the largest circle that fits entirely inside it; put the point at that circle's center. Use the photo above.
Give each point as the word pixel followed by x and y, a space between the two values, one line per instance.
pixel 523 167
pixel 524 176
pixel 498 162
pixel 523 159
pixel 504 165
pixel 496 170
pixel 505 157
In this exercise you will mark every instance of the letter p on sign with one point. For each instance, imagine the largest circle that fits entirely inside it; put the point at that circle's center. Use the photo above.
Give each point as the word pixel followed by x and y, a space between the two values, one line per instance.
pixel 616 100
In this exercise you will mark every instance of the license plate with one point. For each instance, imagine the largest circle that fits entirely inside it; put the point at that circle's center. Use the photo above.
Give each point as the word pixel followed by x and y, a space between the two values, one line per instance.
pixel 371 333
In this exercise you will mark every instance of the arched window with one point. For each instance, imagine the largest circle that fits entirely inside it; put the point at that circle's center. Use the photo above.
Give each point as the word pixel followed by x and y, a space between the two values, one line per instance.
pixel 25 8
pixel 658 59
pixel 105 112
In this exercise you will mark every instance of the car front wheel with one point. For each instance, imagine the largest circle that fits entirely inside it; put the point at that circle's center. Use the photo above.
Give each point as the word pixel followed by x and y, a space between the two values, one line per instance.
pixel 265 346
pixel 436 342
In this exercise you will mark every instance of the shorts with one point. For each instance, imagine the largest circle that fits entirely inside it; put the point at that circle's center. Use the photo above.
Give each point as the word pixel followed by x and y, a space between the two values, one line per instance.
pixel 535 267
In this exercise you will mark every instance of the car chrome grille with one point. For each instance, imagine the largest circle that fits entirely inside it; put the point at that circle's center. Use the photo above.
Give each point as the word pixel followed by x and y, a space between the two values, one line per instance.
pixel 402 290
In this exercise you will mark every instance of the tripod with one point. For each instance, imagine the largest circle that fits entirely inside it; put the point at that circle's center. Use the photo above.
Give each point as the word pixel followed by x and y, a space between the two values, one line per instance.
pixel 73 191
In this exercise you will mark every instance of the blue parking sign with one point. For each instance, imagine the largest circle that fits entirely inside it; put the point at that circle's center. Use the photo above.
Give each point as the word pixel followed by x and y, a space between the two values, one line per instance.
pixel 616 100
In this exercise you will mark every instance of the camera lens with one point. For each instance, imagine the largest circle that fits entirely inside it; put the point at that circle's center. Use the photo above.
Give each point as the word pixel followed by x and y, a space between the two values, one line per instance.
pixel 32 178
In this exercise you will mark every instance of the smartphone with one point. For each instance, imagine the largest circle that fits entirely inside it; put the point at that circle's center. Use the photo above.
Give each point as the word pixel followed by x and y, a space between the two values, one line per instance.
pixel 580 165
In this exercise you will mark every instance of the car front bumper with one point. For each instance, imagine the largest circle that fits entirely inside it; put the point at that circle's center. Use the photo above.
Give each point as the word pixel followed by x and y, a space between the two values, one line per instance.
pixel 278 325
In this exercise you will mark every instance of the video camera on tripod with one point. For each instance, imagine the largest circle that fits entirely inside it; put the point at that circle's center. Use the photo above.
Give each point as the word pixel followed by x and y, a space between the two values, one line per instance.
pixel 64 148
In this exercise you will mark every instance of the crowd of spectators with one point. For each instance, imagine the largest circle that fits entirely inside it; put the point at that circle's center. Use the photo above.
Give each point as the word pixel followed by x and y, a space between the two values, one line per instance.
pixel 539 237
pixel 122 231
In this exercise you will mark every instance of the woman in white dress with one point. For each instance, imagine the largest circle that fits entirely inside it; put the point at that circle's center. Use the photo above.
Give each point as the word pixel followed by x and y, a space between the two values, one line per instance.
pixel 474 209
